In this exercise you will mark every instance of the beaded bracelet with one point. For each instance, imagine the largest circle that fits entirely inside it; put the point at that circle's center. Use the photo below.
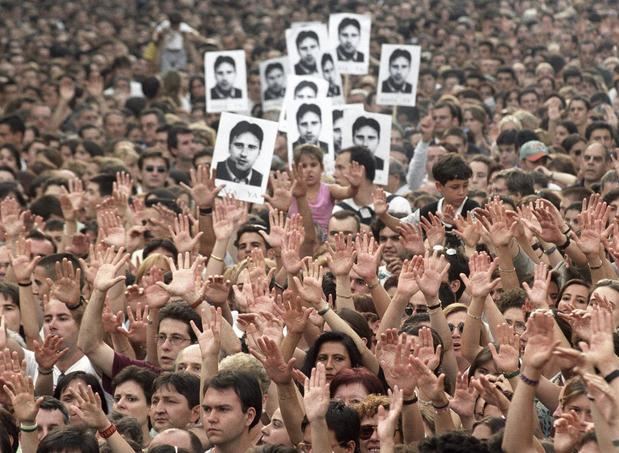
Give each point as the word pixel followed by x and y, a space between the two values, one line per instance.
pixel 511 374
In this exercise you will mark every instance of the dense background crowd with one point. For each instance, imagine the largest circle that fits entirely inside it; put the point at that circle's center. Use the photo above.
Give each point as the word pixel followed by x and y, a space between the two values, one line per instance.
pixel 468 305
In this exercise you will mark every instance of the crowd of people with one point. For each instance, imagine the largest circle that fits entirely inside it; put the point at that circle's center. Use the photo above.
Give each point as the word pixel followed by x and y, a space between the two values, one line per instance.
pixel 469 305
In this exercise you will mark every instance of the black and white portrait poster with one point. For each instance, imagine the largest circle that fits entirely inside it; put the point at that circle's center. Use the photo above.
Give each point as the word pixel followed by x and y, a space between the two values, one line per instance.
pixel 372 130
pixel 305 45
pixel 398 74
pixel 309 122
pixel 226 81
pixel 337 118
pixel 302 87
pixel 273 75
pixel 332 75
pixel 349 36
pixel 243 154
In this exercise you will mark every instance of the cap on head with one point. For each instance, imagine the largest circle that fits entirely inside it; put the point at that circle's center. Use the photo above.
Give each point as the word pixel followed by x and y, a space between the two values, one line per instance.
pixel 533 151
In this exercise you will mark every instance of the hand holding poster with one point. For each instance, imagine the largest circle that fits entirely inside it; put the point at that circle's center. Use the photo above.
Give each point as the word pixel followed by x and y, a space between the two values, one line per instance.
pixel 226 81
pixel 398 75
pixel 243 154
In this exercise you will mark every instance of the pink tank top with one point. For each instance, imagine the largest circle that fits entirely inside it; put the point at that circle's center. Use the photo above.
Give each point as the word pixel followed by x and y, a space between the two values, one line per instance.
pixel 321 208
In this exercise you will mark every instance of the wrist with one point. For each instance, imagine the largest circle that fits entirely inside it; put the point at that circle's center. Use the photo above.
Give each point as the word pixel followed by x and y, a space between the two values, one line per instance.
pixel 608 366
pixel 372 283
pixel 531 372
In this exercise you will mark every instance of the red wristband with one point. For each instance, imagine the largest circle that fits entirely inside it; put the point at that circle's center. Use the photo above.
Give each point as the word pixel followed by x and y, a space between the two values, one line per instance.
pixel 107 432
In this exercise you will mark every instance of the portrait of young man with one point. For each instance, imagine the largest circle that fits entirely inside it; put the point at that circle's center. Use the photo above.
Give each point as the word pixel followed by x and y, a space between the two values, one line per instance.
pixel 308 48
pixel 349 36
pixel 399 69
pixel 225 76
pixel 244 148
pixel 309 125
pixel 275 78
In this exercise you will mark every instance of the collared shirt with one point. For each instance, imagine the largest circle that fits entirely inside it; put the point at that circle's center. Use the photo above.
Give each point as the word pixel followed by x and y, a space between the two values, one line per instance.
pixel 236 178
pixel 270 93
pixel 303 69
pixel 415 216
pixel 334 90
pixel 394 88
pixel 342 55
pixel 221 94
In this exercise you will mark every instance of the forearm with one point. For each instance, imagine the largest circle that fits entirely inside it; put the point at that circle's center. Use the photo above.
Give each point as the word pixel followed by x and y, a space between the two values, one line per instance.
pixel 390 221
pixel 210 367
pixel 472 330
pixel 343 294
pixel 91 331
pixel 417 166
pixel 31 314
pixel 320 435
pixel 548 393
pixel 576 255
pixel 599 269
pixel 118 444
pixel 564 179
pixel 207 240
pixel 392 318
pixel 292 411
pixel 215 264
pixel 380 297
pixel 44 384
pixel 493 315
pixel 412 424
pixel 310 240
pixel 518 436
pixel 122 345
pixel 289 345
pixel 69 230
pixel 116 297
pixel 151 337
pixel 509 278
pixel 28 442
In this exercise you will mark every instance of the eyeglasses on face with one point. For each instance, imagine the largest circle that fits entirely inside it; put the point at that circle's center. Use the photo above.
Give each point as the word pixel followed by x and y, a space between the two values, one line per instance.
pixel 152 168
pixel 173 339
pixel 366 431
pixel 453 327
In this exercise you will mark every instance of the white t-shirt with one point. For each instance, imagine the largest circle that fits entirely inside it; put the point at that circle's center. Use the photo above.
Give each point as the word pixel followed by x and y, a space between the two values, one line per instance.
pixel 173 40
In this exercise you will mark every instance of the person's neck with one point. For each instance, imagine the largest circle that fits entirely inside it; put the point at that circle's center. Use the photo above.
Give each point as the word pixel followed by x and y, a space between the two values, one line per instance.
pixel 364 194
pixel 69 359
pixel 240 444
pixel 183 164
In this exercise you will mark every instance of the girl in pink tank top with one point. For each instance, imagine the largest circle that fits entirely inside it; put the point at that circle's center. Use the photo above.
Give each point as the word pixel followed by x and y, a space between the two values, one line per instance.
pixel 321 197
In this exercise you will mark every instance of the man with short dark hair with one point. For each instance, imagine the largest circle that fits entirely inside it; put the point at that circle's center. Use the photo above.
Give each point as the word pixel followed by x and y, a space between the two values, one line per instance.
pixel 175 402
pixel 225 75
pixel 12 130
pixel 349 34
pixel 231 406
pixel 52 414
pixel 275 78
pixel 308 47
pixel 180 145
pixel 244 148
pixel 154 169
pixel 366 132
pixel 400 62
pixel 309 124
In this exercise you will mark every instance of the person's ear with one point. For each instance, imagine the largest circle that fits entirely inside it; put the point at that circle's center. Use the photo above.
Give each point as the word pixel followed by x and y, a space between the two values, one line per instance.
pixel 455 285
pixel 350 446
pixel 250 415
pixel 195 414
pixel 438 186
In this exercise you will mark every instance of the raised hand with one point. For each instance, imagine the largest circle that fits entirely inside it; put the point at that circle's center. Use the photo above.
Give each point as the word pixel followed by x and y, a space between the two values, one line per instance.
pixel 138 324
pixel 479 281
pixel 425 350
pixel 216 290
pixel 21 263
pixel 20 390
pixel 11 218
pixel 388 419
pixel 469 229
pixel 71 200
pixel 593 233
pixel 277 228
pixel 491 393
pixel 111 264
pixel 311 288
pixel 465 395
pixel 498 225
pixel 569 429
pixel 396 366
pixel 209 338
pixel 354 175
pixel 262 300
pixel 291 311
pixel 550 226
pixel 235 210
pixel 123 183
pixel 341 257
pixel 435 269
pixel 368 257
pixel 66 287
pixel 316 394
pixel 379 200
pixel 407 283
pixel 112 322
pixel 183 282
pixel 387 348
pixel 203 189
pixel 603 396
pixel 112 230
pixel 600 349
pixel 411 238
pixel 291 259
pixel 223 225
pixel 48 353
pixel 541 342
pixel 427 382
pixel 538 294
pixel 88 408
pixel 181 233
pixel 506 358
pixel 268 353
pixel 282 191
pixel 434 229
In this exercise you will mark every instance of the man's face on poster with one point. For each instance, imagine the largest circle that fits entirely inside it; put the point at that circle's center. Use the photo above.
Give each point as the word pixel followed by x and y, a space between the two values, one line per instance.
pixel 328 72
pixel 244 150
pixel 399 69
pixel 349 38
pixel 225 74
pixel 309 127
pixel 275 79
pixel 367 136
pixel 308 48
pixel 305 93
pixel 337 132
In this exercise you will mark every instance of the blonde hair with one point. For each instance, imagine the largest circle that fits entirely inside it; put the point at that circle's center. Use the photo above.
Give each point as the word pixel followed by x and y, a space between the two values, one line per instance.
pixel 156 259
pixel 369 406
pixel 504 124
pixel 248 364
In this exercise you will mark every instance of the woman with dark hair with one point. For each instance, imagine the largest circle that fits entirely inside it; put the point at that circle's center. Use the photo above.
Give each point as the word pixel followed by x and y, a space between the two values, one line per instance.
pixel 335 350
pixel 574 294
pixel 133 390
pixel 485 428
pixel 67 387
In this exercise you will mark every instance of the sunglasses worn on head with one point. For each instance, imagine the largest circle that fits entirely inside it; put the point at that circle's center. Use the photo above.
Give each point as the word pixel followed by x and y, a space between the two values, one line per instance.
pixel 152 168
